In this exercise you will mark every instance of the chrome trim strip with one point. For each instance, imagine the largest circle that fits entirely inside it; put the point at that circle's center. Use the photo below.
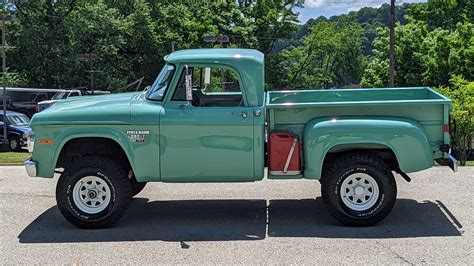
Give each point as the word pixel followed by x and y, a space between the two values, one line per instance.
pixel 295 172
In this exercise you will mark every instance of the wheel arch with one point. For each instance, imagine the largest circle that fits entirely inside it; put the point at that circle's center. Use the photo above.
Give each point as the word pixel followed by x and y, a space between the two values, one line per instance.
pixel 403 138
pixel 381 151
pixel 125 151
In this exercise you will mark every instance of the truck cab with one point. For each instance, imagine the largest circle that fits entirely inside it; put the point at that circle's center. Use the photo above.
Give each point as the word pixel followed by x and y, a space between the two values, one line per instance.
pixel 223 117
pixel 207 118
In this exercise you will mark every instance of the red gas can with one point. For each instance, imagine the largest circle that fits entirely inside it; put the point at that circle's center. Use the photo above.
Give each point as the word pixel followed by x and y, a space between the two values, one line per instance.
pixel 284 152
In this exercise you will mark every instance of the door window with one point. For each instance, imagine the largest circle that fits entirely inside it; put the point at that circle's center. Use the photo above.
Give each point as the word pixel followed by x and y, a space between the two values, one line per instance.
pixel 212 87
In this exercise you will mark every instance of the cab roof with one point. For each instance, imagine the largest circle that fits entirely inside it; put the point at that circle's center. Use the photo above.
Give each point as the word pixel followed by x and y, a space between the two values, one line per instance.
pixel 212 55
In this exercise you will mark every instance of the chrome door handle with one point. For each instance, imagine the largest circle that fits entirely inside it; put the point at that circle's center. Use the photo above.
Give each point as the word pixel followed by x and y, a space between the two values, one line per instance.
pixel 242 114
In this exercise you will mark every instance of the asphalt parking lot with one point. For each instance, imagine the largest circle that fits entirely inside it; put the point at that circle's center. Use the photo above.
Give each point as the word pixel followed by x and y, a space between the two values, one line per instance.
pixel 263 222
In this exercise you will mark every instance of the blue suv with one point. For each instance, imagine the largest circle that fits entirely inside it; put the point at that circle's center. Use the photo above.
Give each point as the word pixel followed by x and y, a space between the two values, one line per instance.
pixel 18 127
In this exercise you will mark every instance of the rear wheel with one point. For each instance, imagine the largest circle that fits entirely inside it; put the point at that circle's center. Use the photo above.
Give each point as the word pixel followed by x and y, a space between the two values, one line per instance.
pixel 359 189
pixel 94 192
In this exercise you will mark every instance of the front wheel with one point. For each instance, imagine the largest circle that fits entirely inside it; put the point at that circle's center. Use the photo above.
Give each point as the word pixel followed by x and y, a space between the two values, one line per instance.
pixel 14 143
pixel 94 192
pixel 359 189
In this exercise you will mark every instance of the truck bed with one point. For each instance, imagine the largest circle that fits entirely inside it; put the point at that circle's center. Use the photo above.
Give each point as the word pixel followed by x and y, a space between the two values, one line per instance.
pixel 291 110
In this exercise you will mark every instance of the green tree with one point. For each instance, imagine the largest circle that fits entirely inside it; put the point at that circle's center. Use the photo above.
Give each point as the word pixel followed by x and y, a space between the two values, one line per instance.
pixel 322 60
pixel 445 14
pixel 122 36
pixel 461 92
pixel 186 24
pixel 49 36
pixel 424 56
pixel 272 20
pixel 41 44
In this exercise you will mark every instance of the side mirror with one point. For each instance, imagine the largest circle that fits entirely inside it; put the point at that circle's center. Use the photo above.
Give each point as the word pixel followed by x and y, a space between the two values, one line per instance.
pixel 188 84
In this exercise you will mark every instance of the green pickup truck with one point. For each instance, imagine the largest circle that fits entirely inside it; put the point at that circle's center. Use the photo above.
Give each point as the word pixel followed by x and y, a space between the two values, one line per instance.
pixel 206 118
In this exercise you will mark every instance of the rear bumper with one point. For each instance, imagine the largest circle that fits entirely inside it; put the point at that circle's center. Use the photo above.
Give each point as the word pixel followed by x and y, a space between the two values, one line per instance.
pixel 450 161
pixel 30 167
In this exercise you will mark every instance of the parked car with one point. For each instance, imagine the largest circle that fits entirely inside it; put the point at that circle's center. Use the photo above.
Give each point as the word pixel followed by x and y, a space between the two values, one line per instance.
pixel 18 127
pixel 65 94
pixel 24 100
pixel 204 120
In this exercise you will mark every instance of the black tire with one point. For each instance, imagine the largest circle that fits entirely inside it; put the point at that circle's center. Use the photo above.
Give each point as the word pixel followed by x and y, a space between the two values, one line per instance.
pixel 14 143
pixel 345 167
pixel 137 187
pixel 109 172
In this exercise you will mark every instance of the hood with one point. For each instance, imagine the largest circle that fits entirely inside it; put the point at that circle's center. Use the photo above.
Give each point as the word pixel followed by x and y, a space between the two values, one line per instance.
pixel 111 109
pixel 23 127
pixel 20 129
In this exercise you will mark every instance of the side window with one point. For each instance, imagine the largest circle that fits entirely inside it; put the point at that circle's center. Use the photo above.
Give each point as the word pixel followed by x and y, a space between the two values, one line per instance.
pixel 74 94
pixel 212 87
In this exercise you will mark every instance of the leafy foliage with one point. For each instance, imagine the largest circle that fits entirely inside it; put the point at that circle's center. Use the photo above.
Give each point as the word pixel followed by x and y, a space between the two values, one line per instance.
pixel 321 61
pixel 131 38
pixel 428 52
pixel 461 92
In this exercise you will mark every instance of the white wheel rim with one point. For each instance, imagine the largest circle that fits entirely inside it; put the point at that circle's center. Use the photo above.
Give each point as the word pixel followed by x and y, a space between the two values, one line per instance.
pixel 359 191
pixel 13 144
pixel 91 194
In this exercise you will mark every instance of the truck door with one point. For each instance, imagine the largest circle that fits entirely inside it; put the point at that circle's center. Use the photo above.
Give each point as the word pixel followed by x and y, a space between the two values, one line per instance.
pixel 210 139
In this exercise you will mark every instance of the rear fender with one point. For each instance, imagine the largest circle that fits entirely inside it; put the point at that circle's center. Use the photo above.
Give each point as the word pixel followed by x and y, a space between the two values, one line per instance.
pixel 405 137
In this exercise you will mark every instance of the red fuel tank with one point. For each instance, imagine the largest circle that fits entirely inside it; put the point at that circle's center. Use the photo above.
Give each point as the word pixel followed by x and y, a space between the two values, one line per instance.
pixel 284 151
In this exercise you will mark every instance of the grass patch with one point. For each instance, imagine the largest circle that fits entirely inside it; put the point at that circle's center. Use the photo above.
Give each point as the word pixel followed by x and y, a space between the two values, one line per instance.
pixel 13 157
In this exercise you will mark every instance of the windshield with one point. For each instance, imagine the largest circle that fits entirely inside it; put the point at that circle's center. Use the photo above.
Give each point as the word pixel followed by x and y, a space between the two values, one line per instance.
pixel 18 120
pixel 60 95
pixel 158 89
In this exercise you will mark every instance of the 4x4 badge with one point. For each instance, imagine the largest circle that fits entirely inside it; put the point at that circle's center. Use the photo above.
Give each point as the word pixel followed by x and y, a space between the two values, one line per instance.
pixel 137 135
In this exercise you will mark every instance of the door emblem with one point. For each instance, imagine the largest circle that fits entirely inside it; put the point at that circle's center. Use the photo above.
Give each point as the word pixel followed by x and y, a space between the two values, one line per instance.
pixel 137 135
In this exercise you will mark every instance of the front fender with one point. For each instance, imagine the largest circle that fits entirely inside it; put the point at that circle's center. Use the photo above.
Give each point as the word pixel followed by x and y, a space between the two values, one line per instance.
pixel 47 155
pixel 405 137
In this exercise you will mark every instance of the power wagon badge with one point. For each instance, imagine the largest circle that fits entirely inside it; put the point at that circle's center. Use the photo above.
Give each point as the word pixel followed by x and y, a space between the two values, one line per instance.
pixel 137 135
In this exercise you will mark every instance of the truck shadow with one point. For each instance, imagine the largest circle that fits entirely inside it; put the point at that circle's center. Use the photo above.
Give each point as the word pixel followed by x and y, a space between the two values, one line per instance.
pixel 220 220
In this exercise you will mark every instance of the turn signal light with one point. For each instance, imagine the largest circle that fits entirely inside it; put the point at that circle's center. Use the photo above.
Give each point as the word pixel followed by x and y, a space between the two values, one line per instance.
pixel 46 141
